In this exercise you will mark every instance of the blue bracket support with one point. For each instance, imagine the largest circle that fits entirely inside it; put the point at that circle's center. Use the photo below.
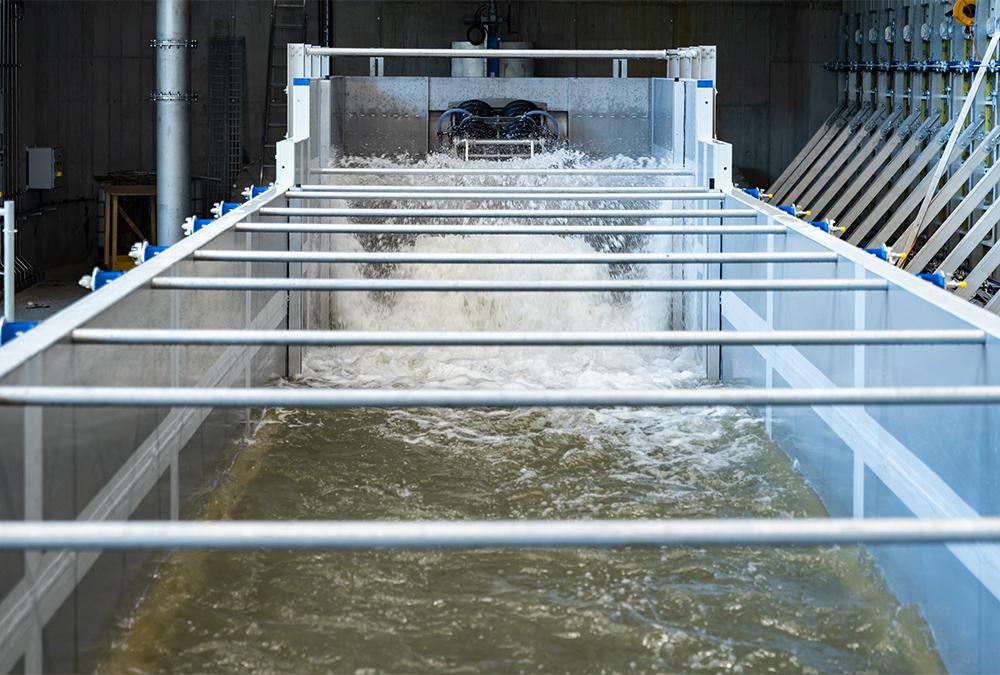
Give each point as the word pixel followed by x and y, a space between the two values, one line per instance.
pixel 757 193
pixel 98 279
pixel 222 208
pixel 143 251
pixel 793 210
pixel 254 191
pixel 828 226
pixel 14 329
pixel 194 223
pixel 886 253
pixel 944 281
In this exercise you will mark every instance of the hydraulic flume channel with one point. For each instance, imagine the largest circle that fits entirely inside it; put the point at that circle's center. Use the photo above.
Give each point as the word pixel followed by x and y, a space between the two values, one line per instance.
pixel 570 610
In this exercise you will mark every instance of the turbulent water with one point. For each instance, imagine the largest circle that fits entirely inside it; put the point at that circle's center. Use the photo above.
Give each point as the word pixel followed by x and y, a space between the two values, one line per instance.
pixel 642 610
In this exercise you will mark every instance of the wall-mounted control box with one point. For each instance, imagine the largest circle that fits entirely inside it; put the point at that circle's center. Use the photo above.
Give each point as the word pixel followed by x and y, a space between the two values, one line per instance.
pixel 45 168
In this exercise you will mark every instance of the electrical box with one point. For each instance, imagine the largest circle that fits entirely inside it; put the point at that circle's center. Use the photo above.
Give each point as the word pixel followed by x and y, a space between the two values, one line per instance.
pixel 45 170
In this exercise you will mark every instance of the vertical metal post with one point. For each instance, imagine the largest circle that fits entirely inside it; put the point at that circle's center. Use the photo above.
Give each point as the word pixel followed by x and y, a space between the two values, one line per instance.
pixel 247 325
pixel 860 354
pixel 713 311
pixel 296 306
pixel 173 101
pixel 33 510
pixel 708 60
pixel 9 278
pixel 175 381
pixel 769 320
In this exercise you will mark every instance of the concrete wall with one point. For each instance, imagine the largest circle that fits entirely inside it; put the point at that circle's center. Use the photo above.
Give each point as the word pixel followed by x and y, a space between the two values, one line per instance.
pixel 88 70
pixel 87 74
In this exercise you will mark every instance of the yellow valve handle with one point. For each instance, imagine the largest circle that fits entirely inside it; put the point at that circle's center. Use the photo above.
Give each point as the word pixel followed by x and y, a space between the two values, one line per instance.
pixel 964 12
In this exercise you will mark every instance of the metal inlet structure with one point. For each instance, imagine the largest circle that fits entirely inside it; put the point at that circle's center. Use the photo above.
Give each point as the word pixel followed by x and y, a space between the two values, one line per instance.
pixel 883 389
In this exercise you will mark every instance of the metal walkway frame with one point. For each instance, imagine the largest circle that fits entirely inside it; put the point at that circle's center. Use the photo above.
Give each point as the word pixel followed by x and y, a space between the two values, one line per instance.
pixel 883 388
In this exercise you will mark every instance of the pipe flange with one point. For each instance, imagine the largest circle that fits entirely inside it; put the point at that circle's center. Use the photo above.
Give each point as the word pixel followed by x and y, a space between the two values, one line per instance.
pixel 173 96
pixel 169 43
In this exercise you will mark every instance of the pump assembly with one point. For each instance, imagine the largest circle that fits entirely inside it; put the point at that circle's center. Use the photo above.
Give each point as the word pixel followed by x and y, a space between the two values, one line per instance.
pixel 477 130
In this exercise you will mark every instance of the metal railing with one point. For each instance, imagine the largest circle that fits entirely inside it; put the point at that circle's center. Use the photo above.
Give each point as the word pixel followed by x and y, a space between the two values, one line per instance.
pixel 381 52
pixel 475 534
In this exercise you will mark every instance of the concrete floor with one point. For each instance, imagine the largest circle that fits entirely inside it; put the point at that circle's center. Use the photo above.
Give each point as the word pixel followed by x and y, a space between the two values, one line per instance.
pixel 59 290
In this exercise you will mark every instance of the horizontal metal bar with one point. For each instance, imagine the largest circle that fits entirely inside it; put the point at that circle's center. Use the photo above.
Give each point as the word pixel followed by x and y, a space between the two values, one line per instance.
pixel 499 171
pixel 516 286
pixel 512 195
pixel 526 229
pixel 475 534
pixel 601 189
pixel 506 213
pixel 501 141
pixel 514 258
pixel 194 397
pixel 657 54
pixel 344 338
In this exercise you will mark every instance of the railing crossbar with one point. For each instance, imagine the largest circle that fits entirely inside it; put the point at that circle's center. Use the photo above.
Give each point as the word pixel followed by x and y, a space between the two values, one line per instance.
pixel 304 211
pixel 512 258
pixel 195 397
pixel 612 189
pixel 500 171
pixel 516 286
pixel 514 229
pixel 362 195
pixel 342 338
pixel 474 534
pixel 414 52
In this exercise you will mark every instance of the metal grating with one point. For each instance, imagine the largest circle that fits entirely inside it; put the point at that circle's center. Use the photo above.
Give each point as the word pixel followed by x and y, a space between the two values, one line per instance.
pixel 227 101
pixel 11 11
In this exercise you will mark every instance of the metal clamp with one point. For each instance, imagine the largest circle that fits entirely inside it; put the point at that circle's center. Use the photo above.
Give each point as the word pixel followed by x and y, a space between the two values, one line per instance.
pixel 170 43
pixel 173 96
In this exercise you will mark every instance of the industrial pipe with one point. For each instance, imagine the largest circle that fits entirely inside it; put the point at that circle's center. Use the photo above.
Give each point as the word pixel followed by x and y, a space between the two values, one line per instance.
pixel 173 102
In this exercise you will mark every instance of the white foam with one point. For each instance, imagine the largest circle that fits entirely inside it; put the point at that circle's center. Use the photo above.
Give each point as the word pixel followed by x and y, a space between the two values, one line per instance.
pixel 518 368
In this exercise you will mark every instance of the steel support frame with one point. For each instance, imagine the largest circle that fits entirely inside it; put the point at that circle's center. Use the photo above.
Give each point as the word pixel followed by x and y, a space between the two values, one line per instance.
pixel 908 153
pixel 854 178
